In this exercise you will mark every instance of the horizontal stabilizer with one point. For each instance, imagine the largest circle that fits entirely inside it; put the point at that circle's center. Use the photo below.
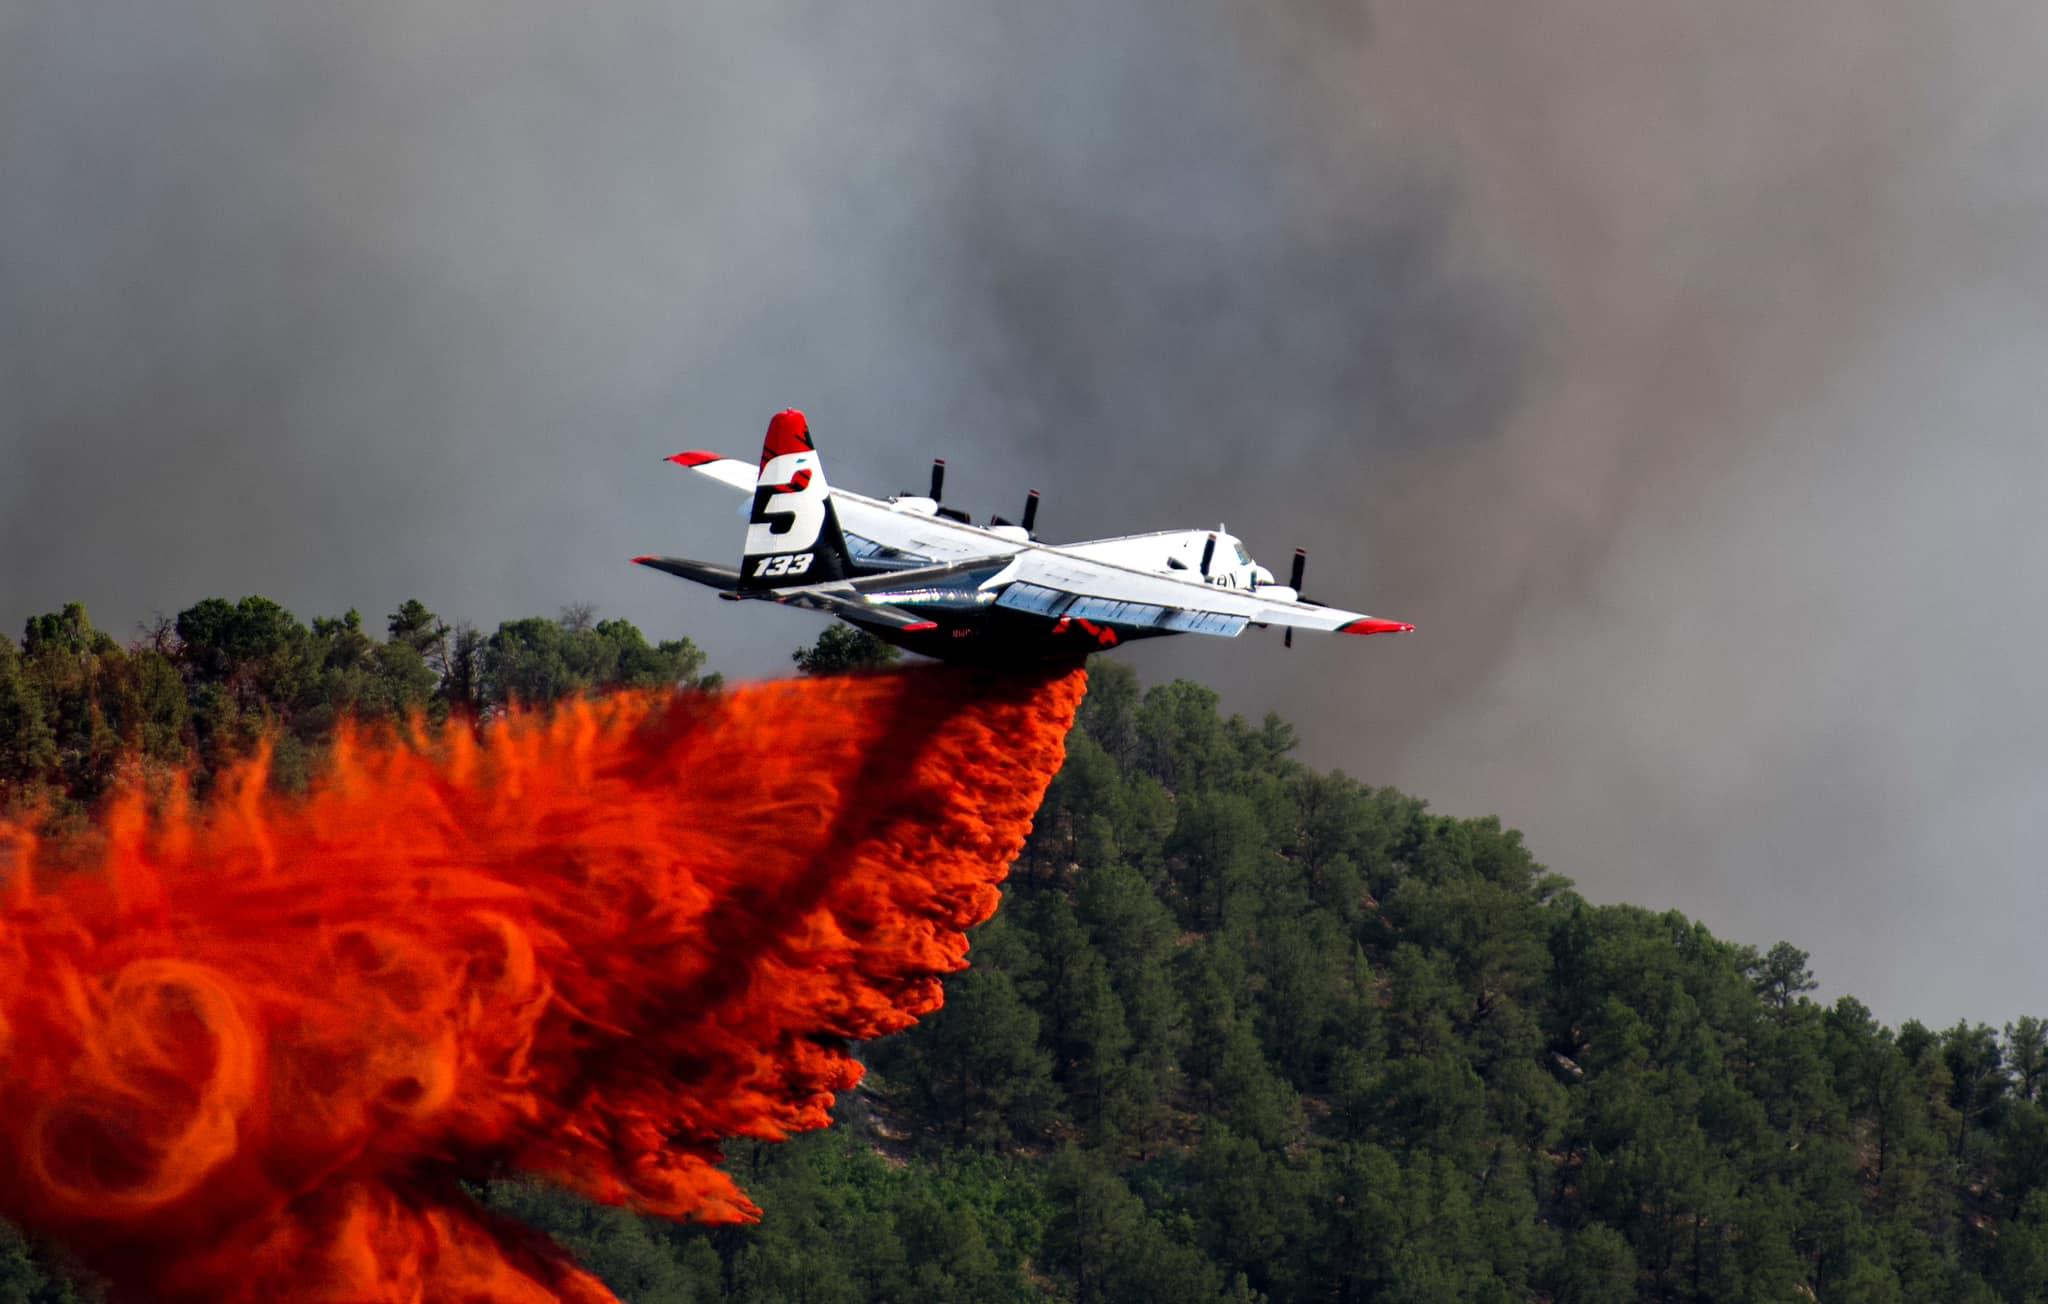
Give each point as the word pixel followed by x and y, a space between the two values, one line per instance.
pixel 723 578
pixel 849 606
pixel 726 470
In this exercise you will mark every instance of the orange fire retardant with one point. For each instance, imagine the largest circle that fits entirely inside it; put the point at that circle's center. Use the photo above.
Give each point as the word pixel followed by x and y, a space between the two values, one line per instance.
pixel 247 1049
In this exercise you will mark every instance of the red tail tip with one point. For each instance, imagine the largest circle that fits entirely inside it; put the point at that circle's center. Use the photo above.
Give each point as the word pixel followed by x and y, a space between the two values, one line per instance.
pixel 691 459
pixel 788 432
pixel 1368 625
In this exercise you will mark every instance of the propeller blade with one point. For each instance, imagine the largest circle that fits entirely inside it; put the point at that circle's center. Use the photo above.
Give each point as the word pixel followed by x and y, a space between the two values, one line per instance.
pixel 1294 582
pixel 1208 555
pixel 938 478
pixel 1030 511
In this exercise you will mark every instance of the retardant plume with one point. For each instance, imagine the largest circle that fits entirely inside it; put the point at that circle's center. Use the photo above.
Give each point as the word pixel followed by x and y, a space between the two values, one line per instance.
pixel 248 1048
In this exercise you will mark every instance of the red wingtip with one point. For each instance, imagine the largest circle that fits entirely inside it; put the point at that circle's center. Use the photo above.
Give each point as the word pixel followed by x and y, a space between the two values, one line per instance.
pixel 788 432
pixel 691 459
pixel 921 626
pixel 642 561
pixel 1368 625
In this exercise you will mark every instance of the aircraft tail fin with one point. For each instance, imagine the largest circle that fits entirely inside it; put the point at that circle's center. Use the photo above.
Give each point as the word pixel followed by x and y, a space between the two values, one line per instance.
pixel 793 534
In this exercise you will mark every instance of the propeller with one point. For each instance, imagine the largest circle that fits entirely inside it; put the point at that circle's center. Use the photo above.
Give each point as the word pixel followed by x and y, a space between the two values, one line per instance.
pixel 1030 515
pixel 938 488
pixel 1294 582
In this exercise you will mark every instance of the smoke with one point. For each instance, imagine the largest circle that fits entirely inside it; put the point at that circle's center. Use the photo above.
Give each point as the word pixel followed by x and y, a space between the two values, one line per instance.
pixel 1669 365
pixel 1665 365
pixel 248 1049
pixel 1725 614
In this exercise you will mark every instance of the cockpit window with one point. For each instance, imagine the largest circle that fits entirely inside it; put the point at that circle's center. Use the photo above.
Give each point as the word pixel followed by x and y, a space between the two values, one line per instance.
pixel 1243 558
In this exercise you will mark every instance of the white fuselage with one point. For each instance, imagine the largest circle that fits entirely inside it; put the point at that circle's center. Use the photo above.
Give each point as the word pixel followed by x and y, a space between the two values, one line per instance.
pixel 912 524
pixel 1180 553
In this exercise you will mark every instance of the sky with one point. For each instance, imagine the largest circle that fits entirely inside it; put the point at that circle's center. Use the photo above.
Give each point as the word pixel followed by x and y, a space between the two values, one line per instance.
pixel 1672 367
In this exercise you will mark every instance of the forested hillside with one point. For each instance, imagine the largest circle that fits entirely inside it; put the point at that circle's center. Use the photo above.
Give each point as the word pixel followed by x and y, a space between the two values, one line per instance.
pixel 1241 1030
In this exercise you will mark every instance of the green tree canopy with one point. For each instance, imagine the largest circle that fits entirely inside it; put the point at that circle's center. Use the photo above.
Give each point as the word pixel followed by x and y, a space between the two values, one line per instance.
pixel 842 648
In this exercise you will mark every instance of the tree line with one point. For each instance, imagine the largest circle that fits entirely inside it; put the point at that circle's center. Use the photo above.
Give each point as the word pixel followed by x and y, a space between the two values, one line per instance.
pixel 200 690
pixel 1242 1030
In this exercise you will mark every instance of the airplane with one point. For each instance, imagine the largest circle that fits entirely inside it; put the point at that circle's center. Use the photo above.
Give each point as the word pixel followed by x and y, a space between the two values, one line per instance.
pixel 923 576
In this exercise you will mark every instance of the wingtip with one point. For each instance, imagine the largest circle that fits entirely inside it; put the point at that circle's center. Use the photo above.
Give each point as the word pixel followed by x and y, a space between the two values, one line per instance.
pixel 643 560
pixel 691 458
pixel 1370 625
pixel 921 627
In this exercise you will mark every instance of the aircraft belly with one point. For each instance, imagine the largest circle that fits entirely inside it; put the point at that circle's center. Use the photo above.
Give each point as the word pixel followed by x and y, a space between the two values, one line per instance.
pixel 1005 636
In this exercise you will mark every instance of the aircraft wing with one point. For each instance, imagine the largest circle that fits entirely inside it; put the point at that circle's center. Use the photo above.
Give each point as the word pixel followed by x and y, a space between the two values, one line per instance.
pixel 1055 582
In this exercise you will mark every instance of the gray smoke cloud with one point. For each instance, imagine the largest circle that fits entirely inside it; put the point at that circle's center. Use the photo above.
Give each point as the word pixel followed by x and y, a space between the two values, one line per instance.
pixel 1669 365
